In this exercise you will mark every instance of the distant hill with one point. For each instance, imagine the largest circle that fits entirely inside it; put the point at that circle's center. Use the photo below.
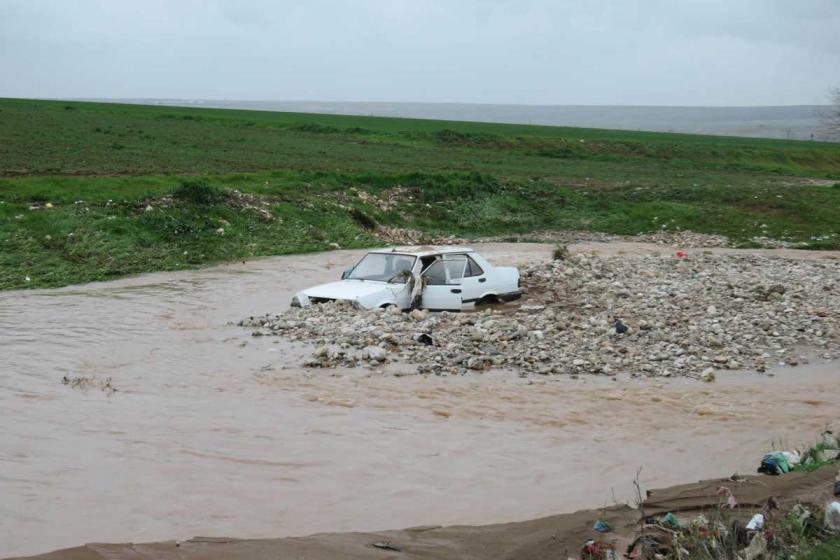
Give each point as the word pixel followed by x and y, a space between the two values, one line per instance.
pixel 794 122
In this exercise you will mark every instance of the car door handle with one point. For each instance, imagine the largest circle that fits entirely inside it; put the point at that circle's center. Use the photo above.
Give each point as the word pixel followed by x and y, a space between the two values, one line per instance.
pixel 482 279
pixel 456 290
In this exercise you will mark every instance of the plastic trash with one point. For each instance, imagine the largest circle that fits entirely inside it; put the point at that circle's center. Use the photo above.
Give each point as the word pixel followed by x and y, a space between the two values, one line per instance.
pixel 829 440
pixel 756 523
pixel 774 462
pixel 426 339
pixel 730 499
pixel 671 520
pixel 793 457
pixel 832 516
pixel 593 550
pixel 601 527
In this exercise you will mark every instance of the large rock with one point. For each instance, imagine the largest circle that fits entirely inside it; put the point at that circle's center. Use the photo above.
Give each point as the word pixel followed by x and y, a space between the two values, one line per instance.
pixel 374 353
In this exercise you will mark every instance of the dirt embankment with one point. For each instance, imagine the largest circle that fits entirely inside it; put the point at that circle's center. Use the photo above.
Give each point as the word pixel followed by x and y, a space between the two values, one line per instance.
pixel 558 536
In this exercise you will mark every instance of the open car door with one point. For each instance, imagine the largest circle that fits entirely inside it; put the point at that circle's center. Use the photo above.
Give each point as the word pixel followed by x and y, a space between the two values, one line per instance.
pixel 442 285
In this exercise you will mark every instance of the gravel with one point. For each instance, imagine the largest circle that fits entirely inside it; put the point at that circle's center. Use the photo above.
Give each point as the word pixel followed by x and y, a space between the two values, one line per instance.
pixel 684 316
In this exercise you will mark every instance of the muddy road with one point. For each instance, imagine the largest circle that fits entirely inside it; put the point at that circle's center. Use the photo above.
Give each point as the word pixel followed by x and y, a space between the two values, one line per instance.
pixel 214 432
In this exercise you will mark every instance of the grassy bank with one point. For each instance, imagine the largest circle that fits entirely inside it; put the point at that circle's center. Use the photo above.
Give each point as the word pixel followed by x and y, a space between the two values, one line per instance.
pixel 94 191
pixel 825 551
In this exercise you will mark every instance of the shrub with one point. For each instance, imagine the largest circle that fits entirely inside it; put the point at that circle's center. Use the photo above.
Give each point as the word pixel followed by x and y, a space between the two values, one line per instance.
pixel 455 187
pixel 365 221
pixel 561 252
pixel 450 137
pixel 314 127
pixel 182 224
pixel 196 191
pixel 357 130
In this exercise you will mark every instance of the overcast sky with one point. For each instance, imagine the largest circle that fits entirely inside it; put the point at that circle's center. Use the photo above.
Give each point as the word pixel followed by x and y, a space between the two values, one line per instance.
pixel 637 52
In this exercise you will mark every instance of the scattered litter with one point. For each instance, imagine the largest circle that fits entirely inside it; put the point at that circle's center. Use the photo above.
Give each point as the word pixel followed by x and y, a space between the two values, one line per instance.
pixel 725 535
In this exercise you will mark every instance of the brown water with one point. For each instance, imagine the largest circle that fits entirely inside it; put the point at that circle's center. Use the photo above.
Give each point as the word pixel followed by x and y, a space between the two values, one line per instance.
pixel 215 432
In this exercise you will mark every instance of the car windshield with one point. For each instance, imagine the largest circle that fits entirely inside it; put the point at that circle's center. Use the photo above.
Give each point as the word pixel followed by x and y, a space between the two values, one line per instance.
pixel 384 267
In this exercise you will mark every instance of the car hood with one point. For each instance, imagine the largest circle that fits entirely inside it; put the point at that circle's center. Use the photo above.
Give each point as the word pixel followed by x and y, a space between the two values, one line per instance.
pixel 350 289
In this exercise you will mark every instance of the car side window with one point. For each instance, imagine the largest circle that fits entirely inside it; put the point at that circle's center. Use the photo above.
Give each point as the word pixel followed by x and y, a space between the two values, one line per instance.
pixel 456 268
pixel 442 272
pixel 435 275
pixel 472 268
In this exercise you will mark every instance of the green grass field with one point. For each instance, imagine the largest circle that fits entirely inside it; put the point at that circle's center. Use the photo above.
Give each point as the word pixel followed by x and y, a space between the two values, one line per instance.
pixel 76 180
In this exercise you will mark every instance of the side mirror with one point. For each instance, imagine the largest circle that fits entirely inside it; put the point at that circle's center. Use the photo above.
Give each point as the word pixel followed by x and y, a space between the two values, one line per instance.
pixel 346 273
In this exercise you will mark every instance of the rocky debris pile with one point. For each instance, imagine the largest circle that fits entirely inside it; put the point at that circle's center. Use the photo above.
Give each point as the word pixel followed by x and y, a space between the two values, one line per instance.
pixel 387 200
pixel 652 315
pixel 770 243
pixel 683 239
pixel 404 236
pixel 234 198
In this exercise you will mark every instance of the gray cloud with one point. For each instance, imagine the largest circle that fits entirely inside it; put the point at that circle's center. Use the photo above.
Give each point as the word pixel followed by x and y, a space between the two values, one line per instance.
pixel 646 52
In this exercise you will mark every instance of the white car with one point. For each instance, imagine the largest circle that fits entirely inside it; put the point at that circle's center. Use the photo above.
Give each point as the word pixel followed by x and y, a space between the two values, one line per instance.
pixel 434 278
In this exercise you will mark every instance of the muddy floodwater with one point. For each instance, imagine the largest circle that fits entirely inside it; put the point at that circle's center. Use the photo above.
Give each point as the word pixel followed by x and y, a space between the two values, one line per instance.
pixel 214 432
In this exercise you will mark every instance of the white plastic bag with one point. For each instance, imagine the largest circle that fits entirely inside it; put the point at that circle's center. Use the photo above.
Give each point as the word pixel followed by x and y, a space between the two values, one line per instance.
pixel 832 516
pixel 756 523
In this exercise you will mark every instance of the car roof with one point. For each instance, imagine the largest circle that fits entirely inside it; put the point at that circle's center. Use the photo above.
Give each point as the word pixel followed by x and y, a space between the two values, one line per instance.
pixel 424 251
